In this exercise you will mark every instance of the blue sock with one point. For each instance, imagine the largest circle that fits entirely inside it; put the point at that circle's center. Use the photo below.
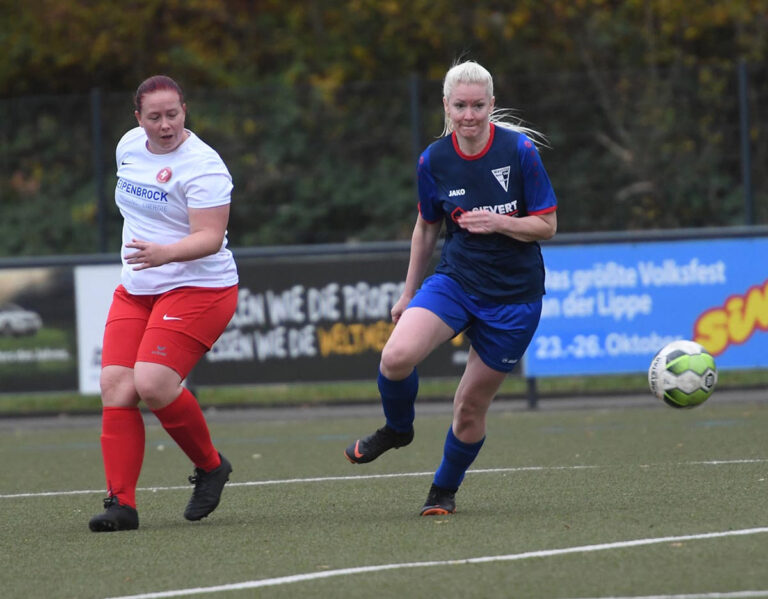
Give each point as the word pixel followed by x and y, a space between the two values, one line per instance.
pixel 398 399
pixel 457 457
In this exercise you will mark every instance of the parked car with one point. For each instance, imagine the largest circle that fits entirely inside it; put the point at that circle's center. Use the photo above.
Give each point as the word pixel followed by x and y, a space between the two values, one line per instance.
pixel 16 321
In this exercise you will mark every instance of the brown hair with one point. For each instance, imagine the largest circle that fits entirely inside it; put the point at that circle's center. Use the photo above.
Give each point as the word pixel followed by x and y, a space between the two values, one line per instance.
pixel 156 83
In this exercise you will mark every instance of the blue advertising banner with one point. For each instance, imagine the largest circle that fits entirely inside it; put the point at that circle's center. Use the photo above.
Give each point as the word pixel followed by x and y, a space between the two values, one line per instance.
pixel 610 307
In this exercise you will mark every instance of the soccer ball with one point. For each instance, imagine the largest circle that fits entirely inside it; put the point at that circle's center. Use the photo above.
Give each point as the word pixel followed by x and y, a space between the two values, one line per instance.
pixel 682 374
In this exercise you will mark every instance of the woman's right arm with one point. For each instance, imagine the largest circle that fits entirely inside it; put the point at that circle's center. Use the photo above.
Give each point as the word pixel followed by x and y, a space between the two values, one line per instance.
pixel 423 241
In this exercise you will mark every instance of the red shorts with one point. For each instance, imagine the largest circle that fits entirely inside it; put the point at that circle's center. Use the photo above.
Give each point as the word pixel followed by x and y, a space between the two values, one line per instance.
pixel 174 328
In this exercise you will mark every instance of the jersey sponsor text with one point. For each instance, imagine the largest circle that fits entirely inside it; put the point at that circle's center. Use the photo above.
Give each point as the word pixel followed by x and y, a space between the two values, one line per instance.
pixel 506 208
pixel 142 192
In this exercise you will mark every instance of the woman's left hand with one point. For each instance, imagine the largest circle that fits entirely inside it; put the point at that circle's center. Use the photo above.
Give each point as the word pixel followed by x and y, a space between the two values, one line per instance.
pixel 147 255
pixel 479 221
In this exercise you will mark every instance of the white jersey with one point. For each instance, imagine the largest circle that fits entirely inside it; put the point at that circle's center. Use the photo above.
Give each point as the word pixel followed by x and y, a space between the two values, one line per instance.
pixel 153 193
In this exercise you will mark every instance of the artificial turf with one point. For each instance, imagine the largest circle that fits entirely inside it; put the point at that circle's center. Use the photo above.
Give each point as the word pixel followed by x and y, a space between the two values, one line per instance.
pixel 545 481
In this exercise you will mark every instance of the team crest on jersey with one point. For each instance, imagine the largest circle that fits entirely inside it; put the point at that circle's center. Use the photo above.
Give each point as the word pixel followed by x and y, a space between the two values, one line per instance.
pixel 502 176
pixel 165 174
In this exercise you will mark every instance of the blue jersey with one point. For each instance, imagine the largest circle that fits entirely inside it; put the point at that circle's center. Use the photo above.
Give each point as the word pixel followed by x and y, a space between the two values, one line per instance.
pixel 507 177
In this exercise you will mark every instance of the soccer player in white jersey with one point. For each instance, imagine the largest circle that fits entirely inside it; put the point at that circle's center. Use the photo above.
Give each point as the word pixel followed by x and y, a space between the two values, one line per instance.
pixel 485 180
pixel 177 295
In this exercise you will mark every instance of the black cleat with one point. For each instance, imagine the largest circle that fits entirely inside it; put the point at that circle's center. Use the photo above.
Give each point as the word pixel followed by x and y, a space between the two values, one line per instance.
pixel 440 502
pixel 366 450
pixel 115 517
pixel 208 487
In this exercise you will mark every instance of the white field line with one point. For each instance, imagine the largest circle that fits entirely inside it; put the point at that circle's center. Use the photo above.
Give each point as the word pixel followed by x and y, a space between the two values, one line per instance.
pixel 283 580
pixel 731 595
pixel 322 479
pixel 292 481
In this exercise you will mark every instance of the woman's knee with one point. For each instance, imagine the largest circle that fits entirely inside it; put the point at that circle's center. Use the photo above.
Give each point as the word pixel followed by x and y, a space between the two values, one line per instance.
pixel 396 363
pixel 468 414
pixel 156 385
pixel 117 388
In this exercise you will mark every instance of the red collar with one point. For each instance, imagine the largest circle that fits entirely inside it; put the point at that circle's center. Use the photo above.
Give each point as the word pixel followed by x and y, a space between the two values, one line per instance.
pixel 482 152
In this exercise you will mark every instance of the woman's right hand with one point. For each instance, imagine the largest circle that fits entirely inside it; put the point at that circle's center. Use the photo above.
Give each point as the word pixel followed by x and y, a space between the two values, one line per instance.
pixel 399 307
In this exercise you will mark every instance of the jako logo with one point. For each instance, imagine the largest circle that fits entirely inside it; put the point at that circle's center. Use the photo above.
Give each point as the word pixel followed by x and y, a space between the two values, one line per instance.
pixel 456 192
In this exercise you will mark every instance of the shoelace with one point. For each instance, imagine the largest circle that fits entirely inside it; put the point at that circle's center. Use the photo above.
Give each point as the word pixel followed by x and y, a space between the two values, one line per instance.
pixel 198 479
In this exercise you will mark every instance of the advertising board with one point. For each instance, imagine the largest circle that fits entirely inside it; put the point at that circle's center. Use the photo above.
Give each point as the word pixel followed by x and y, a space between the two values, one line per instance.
pixel 325 316
pixel 320 318
pixel 610 307
pixel 37 330
pixel 299 318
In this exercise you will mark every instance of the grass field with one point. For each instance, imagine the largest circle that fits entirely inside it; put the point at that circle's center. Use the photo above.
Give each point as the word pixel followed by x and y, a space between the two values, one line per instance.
pixel 612 499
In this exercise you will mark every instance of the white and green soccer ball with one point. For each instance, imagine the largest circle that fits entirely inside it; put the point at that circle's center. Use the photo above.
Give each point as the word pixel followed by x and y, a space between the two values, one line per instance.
pixel 682 374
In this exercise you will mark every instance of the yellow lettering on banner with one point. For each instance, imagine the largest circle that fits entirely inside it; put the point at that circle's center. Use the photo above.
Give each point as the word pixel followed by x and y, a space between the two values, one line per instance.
pixel 355 338
pixel 735 322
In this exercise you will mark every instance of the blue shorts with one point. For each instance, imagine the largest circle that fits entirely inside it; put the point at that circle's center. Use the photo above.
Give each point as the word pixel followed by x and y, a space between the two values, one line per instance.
pixel 499 333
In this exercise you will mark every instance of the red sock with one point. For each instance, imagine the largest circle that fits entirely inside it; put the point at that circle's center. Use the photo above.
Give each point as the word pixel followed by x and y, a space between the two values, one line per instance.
pixel 122 447
pixel 184 421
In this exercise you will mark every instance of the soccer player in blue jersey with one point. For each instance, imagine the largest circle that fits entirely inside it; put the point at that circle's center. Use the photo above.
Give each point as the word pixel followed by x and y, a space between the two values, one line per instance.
pixel 485 180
